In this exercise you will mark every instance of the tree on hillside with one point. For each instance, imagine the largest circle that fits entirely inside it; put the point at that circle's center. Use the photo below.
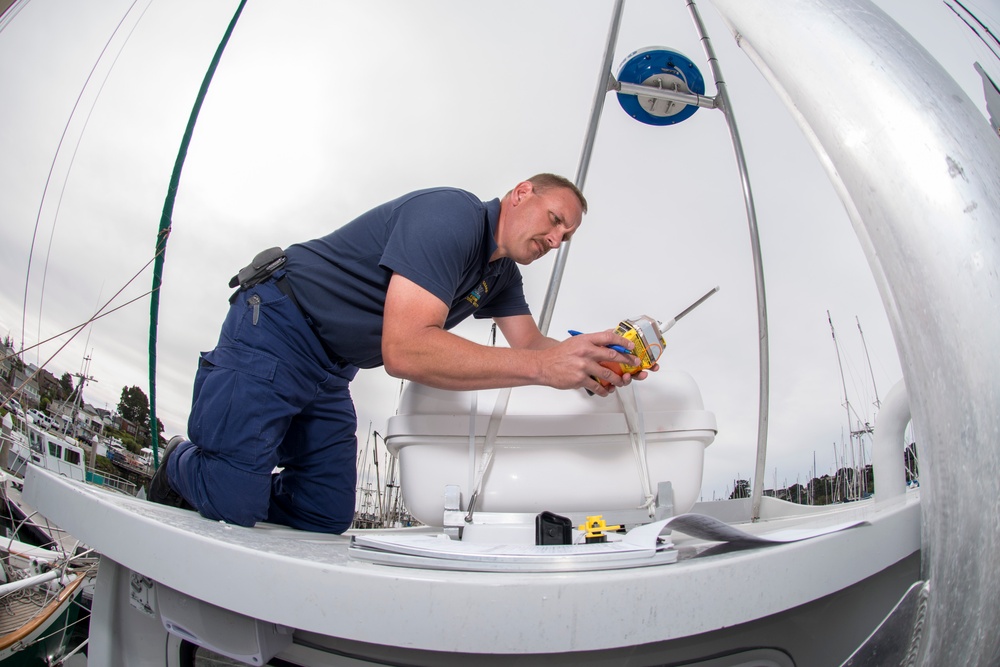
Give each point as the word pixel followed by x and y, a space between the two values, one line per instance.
pixel 134 405
pixel 66 383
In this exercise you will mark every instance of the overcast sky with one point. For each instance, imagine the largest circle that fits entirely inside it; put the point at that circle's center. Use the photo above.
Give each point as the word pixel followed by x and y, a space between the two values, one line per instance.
pixel 322 109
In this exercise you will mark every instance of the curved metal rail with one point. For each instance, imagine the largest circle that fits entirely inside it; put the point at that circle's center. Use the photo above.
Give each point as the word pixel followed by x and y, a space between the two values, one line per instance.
pixel 917 167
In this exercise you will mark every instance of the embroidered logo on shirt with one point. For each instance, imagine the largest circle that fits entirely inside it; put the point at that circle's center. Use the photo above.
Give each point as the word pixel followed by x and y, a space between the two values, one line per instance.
pixel 477 294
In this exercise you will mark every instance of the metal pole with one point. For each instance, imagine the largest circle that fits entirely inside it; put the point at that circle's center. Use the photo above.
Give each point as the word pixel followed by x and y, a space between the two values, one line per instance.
pixel 693 99
pixel 723 103
pixel 36 580
pixel 603 85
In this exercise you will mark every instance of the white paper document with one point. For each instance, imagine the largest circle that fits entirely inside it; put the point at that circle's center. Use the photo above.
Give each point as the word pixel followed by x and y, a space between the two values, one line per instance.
pixel 641 546
pixel 710 528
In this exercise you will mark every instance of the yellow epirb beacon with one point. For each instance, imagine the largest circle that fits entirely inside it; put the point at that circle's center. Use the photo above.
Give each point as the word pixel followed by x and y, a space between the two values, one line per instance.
pixel 645 334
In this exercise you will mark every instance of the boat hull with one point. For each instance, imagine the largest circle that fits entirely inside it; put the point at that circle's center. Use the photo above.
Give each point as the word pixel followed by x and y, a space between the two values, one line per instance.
pixel 55 631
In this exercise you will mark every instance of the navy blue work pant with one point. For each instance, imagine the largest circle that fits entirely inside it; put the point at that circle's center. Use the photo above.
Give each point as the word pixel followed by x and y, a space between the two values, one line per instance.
pixel 268 396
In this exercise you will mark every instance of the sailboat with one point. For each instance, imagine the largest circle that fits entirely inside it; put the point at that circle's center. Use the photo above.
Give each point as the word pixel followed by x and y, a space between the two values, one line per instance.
pixel 871 582
pixel 46 591
pixel 42 612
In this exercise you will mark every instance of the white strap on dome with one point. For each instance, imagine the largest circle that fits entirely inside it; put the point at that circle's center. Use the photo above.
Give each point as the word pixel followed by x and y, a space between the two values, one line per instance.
pixel 629 401
pixel 499 410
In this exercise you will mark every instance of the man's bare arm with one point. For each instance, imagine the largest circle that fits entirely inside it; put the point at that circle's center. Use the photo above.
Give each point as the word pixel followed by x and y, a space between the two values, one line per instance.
pixel 415 346
pixel 521 331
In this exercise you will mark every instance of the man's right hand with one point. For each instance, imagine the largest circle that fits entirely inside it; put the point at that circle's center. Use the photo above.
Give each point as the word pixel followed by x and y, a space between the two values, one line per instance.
pixel 577 362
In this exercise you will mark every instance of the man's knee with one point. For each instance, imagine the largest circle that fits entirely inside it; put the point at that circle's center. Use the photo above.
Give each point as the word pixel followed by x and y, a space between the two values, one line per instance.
pixel 221 491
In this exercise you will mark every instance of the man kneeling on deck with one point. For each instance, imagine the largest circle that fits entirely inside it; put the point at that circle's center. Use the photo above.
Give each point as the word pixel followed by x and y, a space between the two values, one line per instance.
pixel 383 289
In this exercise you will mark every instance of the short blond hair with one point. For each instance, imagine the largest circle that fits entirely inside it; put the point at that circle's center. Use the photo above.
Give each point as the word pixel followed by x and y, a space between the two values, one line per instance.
pixel 543 182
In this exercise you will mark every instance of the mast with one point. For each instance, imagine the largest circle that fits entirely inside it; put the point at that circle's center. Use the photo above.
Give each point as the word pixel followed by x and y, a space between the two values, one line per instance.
pixel 866 427
pixel 392 492
pixel 836 475
pixel 847 404
pixel 871 372
pixel 812 486
pixel 84 376
pixel 378 487
pixel 361 492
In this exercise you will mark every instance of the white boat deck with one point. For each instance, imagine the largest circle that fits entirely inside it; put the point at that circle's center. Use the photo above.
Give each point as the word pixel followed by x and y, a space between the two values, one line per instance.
pixel 309 582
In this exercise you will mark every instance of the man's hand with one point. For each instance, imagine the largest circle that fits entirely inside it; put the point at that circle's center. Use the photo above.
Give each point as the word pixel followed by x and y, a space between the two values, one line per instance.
pixel 579 362
pixel 569 364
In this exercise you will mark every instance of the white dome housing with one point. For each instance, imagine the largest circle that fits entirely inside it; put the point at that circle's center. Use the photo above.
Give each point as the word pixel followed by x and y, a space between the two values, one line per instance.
pixel 556 451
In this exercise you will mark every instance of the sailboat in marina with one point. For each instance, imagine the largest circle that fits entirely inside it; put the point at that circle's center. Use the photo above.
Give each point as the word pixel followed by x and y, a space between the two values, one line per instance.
pixel 42 615
pixel 378 498
pixel 509 486
pixel 46 588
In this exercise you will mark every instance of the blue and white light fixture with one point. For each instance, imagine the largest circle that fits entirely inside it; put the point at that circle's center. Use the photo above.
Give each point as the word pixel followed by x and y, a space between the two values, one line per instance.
pixel 659 67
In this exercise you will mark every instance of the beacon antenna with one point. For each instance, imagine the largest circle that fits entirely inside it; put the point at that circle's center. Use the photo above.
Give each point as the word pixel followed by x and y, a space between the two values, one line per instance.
pixel 665 326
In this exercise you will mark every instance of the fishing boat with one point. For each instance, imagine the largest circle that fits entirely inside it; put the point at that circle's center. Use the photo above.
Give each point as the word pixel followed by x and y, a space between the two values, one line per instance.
pixel 508 484
pixel 33 444
pixel 46 449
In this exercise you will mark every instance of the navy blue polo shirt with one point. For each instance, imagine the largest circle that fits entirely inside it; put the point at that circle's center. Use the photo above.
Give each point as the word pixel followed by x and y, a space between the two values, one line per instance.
pixel 440 238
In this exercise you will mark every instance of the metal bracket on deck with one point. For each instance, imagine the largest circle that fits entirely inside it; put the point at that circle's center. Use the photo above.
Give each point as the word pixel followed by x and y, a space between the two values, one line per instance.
pixel 664 501
pixel 453 504
pixel 455 519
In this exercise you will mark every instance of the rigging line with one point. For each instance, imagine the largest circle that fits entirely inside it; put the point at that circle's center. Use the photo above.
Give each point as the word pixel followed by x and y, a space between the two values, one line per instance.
pixel 76 148
pixel 79 556
pixel 67 625
pixel 973 29
pixel 985 27
pixel 78 328
pixel 854 381
pixel 99 314
pixel 836 345
pixel 166 220
pixel 55 158
pixel 79 648
pixel 18 527
pixel 54 531
pixel 86 360
pixel 878 403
